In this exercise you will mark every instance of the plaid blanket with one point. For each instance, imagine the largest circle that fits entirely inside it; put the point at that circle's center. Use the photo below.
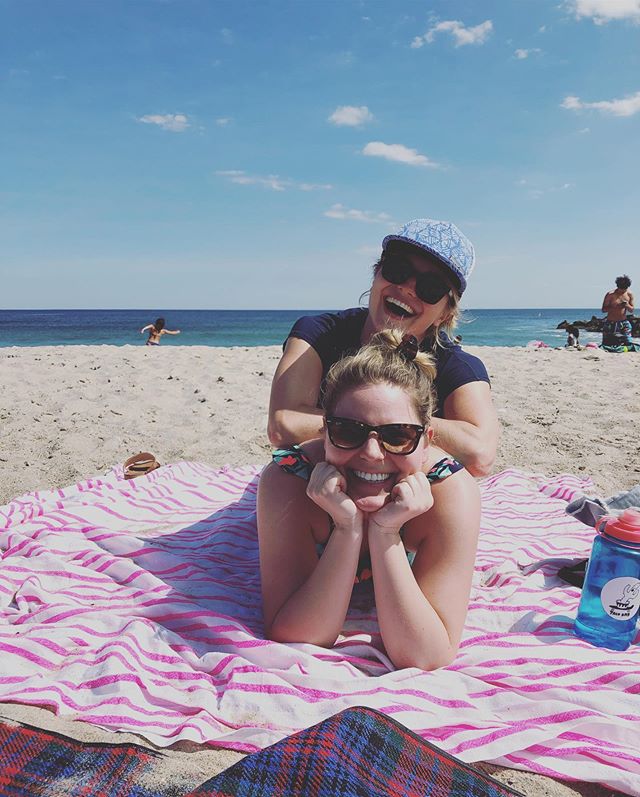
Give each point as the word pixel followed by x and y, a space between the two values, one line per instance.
pixel 37 763
pixel 354 753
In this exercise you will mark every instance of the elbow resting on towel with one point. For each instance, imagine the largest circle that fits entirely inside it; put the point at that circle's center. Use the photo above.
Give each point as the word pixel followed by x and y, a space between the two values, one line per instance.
pixel 279 632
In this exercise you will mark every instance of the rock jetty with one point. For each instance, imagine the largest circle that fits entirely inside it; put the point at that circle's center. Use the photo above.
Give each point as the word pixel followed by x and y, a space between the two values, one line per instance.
pixel 595 325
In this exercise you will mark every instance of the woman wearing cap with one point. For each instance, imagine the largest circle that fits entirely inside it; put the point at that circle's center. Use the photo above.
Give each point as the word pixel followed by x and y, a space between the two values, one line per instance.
pixel 417 285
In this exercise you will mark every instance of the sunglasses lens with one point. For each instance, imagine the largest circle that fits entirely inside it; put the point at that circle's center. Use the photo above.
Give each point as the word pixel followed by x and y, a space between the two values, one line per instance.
pixel 430 288
pixel 395 270
pixel 346 434
pixel 400 439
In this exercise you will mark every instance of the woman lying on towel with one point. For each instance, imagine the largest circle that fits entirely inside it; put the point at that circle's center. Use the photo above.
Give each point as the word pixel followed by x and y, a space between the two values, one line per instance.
pixel 371 499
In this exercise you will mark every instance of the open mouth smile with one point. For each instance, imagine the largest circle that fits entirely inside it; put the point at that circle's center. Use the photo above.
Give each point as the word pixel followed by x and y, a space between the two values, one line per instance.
pixel 398 308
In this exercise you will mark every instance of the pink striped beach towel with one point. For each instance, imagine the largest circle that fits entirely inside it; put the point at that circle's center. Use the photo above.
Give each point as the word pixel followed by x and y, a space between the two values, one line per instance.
pixel 136 606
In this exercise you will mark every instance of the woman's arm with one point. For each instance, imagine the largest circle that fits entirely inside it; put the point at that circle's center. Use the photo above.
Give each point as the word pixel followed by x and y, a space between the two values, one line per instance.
pixel 422 609
pixel 170 331
pixel 305 599
pixel 469 431
pixel 293 412
pixel 144 329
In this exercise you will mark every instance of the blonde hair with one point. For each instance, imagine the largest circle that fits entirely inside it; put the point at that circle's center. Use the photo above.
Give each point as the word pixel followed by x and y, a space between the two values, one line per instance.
pixel 382 361
pixel 451 322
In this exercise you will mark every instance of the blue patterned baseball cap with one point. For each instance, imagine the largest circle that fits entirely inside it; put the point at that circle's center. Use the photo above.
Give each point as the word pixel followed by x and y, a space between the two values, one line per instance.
pixel 443 240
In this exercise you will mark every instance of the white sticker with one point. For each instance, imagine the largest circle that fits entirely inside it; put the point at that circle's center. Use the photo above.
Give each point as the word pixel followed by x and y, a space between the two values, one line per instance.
pixel 621 597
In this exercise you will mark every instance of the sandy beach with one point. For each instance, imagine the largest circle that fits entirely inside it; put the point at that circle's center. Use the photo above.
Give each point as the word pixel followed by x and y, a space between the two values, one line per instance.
pixel 68 413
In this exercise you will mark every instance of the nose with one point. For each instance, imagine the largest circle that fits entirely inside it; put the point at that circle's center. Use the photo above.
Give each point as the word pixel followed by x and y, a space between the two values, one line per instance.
pixel 410 284
pixel 372 448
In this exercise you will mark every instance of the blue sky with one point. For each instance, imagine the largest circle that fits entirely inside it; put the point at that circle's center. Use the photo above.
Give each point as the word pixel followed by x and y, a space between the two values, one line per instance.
pixel 244 154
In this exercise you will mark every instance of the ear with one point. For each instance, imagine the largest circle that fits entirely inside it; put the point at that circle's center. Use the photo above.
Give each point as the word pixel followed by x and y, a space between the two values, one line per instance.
pixel 425 442
pixel 446 315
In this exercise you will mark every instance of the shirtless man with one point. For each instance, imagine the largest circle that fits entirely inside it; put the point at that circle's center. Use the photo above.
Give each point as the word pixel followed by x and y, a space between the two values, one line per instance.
pixel 618 304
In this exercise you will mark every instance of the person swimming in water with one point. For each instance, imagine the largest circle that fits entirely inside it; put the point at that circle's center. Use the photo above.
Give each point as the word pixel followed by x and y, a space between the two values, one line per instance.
pixel 156 331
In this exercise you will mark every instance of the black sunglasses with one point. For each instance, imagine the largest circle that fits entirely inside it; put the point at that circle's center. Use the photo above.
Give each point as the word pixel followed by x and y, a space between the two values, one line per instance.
pixel 396 438
pixel 430 287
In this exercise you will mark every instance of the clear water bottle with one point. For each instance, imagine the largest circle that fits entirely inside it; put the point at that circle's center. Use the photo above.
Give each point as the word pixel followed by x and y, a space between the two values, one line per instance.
pixel 608 610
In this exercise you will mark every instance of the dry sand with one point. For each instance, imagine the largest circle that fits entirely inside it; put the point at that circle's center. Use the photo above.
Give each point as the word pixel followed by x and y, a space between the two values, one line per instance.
pixel 67 413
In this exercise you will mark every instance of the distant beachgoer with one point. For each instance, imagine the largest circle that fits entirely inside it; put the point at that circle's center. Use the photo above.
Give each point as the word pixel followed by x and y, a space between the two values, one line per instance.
pixel 417 284
pixel 618 305
pixel 156 331
pixel 573 338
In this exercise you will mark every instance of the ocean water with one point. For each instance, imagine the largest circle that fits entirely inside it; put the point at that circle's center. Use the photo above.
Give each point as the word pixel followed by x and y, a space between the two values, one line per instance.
pixel 257 327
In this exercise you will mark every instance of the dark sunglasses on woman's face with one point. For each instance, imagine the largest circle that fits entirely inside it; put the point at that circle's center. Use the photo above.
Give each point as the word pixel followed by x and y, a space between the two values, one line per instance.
pixel 396 438
pixel 430 287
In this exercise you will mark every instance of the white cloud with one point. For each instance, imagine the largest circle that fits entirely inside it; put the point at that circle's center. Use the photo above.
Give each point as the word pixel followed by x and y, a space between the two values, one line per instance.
pixel 603 11
pixel 627 106
pixel 345 58
pixel 227 36
pixel 534 192
pixel 571 103
pixel 313 186
pixel 271 181
pixel 521 54
pixel 368 251
pixel 175 122
pixel 350 115
pixel 223 121
pixel 462 35
pixel 339 211
pixel 399 153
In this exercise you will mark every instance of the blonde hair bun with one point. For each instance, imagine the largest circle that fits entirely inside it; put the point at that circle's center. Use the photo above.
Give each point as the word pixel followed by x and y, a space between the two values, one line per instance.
pixel 385 360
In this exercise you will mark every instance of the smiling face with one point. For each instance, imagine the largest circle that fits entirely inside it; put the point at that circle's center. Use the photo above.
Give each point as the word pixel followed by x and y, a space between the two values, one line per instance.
pixel 398 305
pixel 370 471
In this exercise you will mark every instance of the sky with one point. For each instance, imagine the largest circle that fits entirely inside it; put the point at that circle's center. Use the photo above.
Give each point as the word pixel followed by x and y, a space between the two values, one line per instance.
pixel 244 154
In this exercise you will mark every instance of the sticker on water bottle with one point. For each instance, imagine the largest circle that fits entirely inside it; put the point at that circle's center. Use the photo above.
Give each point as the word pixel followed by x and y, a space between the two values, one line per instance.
pixel 621 597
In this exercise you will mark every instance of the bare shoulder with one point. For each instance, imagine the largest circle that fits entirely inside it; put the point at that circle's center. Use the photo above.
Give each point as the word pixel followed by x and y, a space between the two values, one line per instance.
pixel 456 505
pixel 276 477
pixel 284 508
pixel 459 486
pixel 314 449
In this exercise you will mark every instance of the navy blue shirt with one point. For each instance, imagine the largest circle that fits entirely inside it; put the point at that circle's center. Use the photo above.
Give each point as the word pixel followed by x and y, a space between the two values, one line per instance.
pixel 335 335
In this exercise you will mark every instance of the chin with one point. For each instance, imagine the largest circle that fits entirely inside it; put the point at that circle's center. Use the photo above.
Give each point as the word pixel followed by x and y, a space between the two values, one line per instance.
pixel 371 503
pixel 368 498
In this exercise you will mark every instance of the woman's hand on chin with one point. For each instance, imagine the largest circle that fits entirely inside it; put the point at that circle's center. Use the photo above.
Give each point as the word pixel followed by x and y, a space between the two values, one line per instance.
pixel 327 488
pixel 409 498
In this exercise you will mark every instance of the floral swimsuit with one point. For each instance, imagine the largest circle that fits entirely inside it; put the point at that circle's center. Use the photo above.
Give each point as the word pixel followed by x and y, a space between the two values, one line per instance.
pixel 293 460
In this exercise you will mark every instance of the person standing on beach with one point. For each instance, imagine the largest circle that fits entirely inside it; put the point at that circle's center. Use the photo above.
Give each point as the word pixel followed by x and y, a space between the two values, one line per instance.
pixel 618 304
pixel 156 331
pixel 417 284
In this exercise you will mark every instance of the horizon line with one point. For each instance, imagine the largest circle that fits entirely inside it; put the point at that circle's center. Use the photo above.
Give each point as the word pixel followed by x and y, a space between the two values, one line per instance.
pixel 246 309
